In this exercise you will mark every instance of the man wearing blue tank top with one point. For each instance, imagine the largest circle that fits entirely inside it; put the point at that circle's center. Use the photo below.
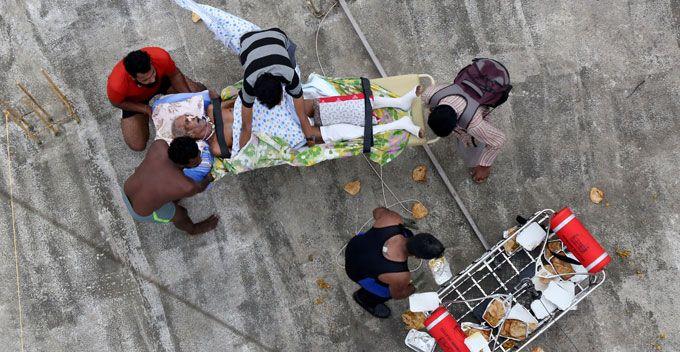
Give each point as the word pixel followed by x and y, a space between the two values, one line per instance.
pixel 376 260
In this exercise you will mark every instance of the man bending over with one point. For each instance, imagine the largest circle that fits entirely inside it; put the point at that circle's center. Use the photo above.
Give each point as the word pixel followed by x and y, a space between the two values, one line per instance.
pixel 376 260
pixel 135 80
pixel 152 192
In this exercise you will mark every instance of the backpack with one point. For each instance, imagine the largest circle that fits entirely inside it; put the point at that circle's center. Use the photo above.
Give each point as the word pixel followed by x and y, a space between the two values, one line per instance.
pixel 485 82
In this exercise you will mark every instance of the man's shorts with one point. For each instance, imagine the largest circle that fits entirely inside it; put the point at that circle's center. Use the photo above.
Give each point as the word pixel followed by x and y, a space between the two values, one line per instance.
pixel 375 287
pixel 162 215
pixel 162 89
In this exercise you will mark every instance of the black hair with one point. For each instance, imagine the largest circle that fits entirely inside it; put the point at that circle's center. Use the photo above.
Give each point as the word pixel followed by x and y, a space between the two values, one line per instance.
pixel 442 120
pixel 424 246
pixel 269 90
pixel 137 62
pixel 182 150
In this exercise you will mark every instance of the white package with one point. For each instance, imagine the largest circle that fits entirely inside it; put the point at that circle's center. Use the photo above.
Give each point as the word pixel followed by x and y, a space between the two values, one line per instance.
pixel 420 341
pixel 477 343
pixel 560 293
pixel 423 302
pixel 531 236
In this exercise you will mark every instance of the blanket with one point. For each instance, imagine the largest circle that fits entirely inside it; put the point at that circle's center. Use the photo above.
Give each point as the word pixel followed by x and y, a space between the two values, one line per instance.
pixel 264 150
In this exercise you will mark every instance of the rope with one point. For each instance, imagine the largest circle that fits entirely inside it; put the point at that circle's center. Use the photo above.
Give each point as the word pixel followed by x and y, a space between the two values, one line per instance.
pixel 316 38
pixel 14 235
pixel 364 225
pixel 383 185
pixel 379 175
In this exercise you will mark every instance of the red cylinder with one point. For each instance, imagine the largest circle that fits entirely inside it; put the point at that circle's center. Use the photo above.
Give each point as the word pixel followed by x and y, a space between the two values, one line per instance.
pixel 446 331
pixel 579 241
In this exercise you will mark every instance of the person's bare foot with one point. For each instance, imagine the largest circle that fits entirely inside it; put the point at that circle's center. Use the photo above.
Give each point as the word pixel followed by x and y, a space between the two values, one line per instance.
pixel 206 225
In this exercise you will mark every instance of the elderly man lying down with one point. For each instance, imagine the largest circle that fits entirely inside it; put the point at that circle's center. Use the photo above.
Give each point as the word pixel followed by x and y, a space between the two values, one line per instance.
pixel 334 119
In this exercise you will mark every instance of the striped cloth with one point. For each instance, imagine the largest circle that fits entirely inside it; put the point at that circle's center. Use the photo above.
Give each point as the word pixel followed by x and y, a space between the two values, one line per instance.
pixel 267 51
pixel 479 127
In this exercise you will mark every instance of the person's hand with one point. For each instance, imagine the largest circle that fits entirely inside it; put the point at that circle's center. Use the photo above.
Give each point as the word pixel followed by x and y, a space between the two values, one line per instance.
pixel 210 177
pixel 311 141
pixel 149 111
pixel 480 173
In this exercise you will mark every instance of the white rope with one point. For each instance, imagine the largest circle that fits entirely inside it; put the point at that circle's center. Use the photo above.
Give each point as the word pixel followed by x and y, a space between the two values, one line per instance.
pixel 384 185
pixel 316 38
pixel 380 174
pixel 14 233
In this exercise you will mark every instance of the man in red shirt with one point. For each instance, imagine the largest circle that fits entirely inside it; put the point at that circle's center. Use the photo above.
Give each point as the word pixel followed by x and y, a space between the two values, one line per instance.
pixel 135 80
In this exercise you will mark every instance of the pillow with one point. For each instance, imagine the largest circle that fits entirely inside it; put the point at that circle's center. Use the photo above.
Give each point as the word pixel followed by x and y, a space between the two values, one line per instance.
pixel 165 112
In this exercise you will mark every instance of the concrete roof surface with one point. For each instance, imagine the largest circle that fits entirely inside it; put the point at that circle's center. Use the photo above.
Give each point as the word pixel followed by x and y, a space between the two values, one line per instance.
pixel 92 279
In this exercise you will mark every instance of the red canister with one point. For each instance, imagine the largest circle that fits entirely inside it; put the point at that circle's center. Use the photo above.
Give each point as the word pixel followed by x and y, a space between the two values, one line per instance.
pixel 446 331
pixel 579 241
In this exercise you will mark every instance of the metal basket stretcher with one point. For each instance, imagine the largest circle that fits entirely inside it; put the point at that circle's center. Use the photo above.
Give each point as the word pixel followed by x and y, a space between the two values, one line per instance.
pixel 497 273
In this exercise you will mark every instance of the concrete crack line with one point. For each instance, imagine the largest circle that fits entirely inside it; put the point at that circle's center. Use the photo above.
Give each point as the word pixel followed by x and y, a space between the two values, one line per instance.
pixel 148 278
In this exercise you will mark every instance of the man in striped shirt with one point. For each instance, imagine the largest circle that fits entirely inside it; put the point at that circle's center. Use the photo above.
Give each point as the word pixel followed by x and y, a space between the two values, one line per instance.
pixel 443 122
pixel 268 59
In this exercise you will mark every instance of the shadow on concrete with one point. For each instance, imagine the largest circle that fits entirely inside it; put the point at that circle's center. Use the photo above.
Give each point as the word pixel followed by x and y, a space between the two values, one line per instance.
pixel 161 287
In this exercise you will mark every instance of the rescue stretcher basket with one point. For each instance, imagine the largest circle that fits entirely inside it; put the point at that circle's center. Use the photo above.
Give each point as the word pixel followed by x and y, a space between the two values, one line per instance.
pixel 497 272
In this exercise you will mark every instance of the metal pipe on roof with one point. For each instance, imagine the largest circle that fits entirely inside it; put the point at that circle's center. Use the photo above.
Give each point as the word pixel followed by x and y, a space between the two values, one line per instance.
pixel 430 154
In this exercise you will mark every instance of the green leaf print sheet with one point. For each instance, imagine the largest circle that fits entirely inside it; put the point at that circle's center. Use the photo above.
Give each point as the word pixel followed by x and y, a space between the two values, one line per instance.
pixel 265 151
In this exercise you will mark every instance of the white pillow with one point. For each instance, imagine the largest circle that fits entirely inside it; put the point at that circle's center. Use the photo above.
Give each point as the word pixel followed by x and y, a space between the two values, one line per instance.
pixel 164 114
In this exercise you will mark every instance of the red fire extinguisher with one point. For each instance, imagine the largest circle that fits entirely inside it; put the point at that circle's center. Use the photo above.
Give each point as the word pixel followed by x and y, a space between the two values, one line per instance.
pixel 446 331
pixel 579 241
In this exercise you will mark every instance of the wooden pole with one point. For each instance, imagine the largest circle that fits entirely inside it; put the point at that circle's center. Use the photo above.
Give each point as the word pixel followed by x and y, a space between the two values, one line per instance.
pixel 44 116
pixel 13 115
pixel 70 109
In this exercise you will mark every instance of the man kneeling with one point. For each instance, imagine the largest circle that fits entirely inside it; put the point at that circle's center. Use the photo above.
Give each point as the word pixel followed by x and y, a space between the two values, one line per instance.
pixel 151 193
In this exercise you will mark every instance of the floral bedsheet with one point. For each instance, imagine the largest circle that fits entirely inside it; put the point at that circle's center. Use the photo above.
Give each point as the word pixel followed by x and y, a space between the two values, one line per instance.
pixel 265 151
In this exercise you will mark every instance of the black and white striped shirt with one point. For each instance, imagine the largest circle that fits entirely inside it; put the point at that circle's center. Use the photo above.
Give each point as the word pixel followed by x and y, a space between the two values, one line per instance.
pixel 266 51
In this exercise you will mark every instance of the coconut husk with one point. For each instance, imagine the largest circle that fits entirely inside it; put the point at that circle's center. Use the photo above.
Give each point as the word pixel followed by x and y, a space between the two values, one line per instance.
pixel 419 174
pixel 514 328
pixel 322 284
pixel 511 245
pixel 353 187
pixel 413 320
pixel 562 268
pixel 485 332
pixel 419 210
pixel 508 344
pixel 596 195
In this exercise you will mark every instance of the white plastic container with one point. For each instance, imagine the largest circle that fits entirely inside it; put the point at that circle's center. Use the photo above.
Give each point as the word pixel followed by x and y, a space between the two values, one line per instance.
pixel 423 302
pixel 440 270
pixel 542 308
pixel 531 236
pixel 560 293
pixel 420 341
pixel 477 343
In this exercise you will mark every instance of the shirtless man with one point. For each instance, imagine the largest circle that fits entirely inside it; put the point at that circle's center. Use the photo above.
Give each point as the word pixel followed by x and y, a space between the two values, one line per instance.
pixel 152 192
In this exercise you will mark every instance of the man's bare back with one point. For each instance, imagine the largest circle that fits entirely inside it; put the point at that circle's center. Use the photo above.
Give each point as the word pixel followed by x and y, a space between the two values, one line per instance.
pixel 152 191
pixel 156 181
